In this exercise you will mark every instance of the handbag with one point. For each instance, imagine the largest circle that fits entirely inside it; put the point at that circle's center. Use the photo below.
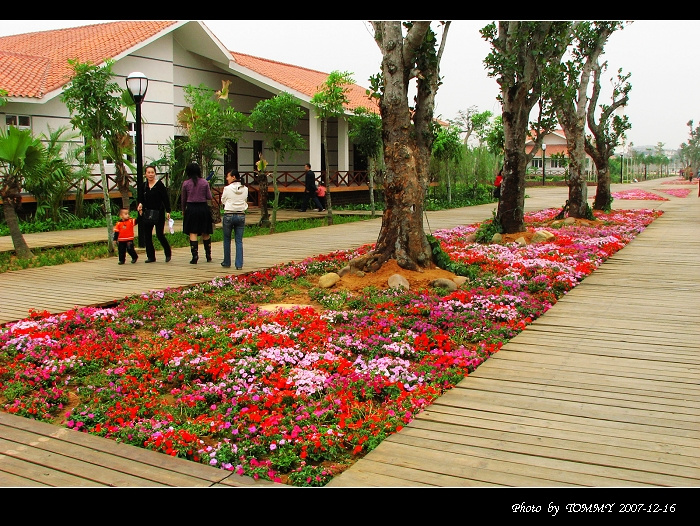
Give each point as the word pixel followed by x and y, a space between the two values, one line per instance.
pixel 214 211
pixel 321 191
pixel 151 214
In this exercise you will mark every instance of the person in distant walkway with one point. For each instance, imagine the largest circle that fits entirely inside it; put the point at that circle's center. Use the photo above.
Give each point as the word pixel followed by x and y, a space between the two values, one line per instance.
pixel 310 190
pixel 124 235
pixel 196 217
pixel 155 209
pixel 234 199
pixel 497 184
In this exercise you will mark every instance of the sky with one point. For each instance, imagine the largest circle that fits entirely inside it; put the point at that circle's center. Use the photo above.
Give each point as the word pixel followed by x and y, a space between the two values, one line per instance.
pixel 661 56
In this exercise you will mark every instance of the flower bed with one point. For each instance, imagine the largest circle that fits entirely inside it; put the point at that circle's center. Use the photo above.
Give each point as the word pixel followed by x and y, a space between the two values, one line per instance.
pixel 293 395
pixel 638 194
pixel 676 192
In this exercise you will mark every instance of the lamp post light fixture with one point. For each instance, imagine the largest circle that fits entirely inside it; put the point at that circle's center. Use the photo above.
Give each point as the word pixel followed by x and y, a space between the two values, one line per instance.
pixel 544 147
pixel 137 84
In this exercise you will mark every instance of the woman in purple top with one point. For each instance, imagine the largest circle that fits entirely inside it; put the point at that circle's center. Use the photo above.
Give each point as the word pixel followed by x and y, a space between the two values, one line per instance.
pixel 196 217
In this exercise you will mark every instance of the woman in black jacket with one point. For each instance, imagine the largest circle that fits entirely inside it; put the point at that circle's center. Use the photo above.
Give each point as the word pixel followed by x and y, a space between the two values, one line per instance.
pixel 156 209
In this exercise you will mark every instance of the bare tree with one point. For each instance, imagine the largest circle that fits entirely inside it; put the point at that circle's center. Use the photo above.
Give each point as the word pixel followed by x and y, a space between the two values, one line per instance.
pixel 568 89
pixel 470 121
pixel 607 131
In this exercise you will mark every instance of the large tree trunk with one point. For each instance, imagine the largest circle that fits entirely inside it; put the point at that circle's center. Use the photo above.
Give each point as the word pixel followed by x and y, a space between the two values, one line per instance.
pixel 603 195
pixel 578 187
pixel 21 248
pixel 407 141
pixel 402 236
pixel 511 206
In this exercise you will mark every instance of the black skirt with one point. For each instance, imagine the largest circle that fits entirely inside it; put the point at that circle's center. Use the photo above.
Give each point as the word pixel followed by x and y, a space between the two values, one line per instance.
pixel 197 220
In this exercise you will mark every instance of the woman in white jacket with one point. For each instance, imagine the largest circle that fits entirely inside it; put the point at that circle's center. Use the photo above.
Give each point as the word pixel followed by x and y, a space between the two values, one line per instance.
pixel 235 202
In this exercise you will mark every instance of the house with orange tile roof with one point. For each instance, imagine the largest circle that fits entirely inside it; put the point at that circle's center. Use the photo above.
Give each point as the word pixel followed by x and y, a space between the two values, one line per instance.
pixel 173 54
pixel 554 155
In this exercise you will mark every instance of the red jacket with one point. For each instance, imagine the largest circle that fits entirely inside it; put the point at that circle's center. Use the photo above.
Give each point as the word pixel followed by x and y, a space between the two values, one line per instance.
pixel 125 229
pixel 499 179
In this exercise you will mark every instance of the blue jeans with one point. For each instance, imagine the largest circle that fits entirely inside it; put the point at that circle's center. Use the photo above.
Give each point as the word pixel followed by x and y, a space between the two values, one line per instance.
pixel 233 223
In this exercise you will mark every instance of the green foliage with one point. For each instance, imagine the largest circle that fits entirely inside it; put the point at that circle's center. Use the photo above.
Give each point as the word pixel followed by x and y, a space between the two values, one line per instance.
pixel 462 195
pixel 210 121
pixel 495 138
pixel 447 145
pixel 365 132
pixel 94 101
pixel 53 179
pixel 589 211
pixel 330 100
pixel 443 260
pixel 277 118
pixel 690 151
pixel 21 155
pixel 473 166
pixel 487 229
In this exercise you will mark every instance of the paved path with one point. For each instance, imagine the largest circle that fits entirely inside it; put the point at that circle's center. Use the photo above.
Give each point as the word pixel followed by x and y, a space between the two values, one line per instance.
pixel 602 390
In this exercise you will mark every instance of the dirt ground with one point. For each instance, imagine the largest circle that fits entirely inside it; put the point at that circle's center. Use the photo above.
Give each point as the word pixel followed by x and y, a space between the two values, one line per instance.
pixel 416 280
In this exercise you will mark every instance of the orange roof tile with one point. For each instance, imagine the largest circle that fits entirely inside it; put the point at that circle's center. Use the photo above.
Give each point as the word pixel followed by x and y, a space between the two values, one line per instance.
pixel 303 80
pixel 33 64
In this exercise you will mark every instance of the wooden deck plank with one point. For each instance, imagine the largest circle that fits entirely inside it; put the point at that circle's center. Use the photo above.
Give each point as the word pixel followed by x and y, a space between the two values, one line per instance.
pixel 630 442
pixel 570 449
pixel 602 390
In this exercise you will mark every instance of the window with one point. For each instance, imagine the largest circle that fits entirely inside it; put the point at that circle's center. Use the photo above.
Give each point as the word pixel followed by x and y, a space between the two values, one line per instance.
pixel 537 162
pixel 23 122
pixel 558 162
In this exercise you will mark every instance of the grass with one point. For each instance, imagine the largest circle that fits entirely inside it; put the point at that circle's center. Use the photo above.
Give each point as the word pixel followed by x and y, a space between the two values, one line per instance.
pixel 44 257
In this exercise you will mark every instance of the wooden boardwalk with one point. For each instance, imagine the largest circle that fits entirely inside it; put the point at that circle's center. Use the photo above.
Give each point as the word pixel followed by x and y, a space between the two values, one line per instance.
pixel 601 391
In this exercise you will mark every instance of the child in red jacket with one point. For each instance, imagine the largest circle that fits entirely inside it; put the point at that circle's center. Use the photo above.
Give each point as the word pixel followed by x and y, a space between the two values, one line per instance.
pixel 124 234
pixel 497 185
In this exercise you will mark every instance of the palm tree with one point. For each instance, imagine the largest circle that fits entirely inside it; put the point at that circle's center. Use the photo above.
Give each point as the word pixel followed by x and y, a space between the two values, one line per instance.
pixel 20 155
pixel 52 180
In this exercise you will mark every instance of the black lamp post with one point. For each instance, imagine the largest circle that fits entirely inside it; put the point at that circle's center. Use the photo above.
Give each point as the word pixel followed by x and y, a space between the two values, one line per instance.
pixel 544 147
pixel 137 84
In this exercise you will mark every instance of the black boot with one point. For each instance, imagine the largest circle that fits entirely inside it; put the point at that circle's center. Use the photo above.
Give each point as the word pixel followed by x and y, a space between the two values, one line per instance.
pixel 168 253
pixel 194 248
pixel 207 248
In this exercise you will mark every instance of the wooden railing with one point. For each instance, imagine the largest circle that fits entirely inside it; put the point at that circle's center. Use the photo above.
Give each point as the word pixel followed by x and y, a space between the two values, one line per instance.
pixel 287 181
